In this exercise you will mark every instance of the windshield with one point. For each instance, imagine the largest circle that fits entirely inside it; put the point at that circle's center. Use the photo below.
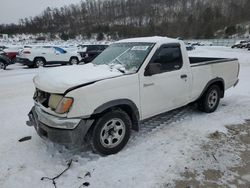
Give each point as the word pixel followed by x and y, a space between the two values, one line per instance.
pixel 125 57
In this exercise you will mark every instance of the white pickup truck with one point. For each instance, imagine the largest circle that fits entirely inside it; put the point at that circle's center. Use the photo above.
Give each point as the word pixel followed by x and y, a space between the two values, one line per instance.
pixel 132 80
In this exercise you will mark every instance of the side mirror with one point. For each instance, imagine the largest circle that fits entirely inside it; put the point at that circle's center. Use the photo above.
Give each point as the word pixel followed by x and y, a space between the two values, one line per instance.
pixel 152 68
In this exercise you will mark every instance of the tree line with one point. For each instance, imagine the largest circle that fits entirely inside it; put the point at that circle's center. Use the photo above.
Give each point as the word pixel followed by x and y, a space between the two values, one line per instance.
pixel 132 18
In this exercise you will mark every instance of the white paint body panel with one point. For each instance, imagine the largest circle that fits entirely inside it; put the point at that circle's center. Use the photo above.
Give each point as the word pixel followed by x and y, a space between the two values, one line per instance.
pixel 60 79
pixel 228 71
pixel 89 98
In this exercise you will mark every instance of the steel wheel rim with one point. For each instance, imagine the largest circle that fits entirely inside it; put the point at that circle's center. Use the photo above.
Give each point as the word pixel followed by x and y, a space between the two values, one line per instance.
pixel 39 63
pixel 1 65
pixel 73 61
pixel 212 99
pixel 112 133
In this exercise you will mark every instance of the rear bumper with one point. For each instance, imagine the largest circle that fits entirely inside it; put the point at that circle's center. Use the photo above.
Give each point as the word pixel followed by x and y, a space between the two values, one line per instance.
pixel 24 61
pixel 45 126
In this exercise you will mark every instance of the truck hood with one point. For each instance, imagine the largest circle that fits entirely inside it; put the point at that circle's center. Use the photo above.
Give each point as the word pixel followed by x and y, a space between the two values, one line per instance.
pixel 58 80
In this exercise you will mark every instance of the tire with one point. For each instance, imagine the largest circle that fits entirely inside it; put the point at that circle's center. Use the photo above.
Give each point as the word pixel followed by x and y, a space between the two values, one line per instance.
pixel 73 61
pixel 39 62
pixel 2 65
pixel 111 132
pixel 210 99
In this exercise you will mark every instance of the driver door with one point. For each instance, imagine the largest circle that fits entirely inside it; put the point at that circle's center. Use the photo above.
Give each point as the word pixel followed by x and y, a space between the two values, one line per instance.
pixel 167 86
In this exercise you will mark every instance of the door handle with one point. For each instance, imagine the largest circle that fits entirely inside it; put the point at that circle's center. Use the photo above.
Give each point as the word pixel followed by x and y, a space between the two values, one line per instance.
pixel 147 85
pixel 183 76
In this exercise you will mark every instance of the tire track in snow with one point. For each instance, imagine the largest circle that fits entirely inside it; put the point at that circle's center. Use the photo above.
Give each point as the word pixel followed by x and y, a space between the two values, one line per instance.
pixel 159 122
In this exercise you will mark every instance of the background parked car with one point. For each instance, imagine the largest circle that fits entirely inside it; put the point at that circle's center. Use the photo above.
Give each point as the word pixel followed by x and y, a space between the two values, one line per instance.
pixel 47 55
pixel 90 52
pixel 3 47
pixel 4 60
pixel 12 52
pixel 241 44
pixel 190 47
pixel 246 45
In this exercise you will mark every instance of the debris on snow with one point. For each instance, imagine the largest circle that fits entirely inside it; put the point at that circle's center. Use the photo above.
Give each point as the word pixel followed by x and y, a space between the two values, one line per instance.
pixel 56 177
pixel 26 138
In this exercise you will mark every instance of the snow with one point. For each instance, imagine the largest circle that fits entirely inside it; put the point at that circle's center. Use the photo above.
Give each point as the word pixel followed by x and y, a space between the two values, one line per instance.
pixel 154 157
pixel 155 39
pixel 70 76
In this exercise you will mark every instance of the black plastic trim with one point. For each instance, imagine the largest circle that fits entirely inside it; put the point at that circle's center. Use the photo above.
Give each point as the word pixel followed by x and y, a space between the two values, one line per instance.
pixel 213 62
pixel 211 82
pixel 115 103
pixel 70 138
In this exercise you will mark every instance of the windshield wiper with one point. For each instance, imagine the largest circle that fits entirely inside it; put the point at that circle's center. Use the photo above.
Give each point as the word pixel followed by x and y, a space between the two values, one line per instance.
pixel 122 71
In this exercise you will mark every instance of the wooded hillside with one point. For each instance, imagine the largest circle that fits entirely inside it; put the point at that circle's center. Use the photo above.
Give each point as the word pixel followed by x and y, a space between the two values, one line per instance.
pixel 131 18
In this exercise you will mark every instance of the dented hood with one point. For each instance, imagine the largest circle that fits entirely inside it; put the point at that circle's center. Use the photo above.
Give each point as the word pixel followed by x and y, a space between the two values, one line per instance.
pixel 58 80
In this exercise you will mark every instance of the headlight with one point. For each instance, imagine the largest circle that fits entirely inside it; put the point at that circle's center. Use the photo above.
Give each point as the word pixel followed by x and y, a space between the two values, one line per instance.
pixel 60 104
pixel 64 105
pixel 54 100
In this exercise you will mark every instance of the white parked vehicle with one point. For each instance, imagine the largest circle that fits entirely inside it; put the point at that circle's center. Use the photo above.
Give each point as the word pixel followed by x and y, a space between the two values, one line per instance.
pixel 37 56
pixel 132 80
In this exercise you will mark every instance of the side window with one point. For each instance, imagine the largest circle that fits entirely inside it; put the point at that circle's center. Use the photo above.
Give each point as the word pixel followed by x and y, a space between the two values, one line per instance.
pixel 60 50
pixel 168 58
pixel 92 48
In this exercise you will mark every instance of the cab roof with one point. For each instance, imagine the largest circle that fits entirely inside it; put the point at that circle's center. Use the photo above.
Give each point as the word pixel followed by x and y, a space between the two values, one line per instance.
pixel 155 39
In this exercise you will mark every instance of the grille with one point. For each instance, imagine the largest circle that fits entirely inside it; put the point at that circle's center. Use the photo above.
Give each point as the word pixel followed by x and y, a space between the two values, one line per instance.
pixel 42 97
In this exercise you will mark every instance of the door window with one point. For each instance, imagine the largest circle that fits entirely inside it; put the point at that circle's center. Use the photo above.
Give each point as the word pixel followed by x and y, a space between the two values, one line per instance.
pixel 59 50
pixel 168 58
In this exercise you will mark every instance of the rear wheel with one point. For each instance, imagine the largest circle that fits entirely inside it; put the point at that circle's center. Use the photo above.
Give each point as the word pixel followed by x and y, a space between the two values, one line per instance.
pixel 39 62
pixel 210 100
pixel 111 132
pixel 73 61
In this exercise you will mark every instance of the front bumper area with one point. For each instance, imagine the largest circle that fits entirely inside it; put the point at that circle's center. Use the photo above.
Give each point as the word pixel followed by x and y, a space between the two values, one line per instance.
pixel 45 125
pixel 24 61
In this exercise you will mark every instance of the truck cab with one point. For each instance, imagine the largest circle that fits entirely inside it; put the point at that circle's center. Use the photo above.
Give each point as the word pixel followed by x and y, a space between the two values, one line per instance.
pixel 132 80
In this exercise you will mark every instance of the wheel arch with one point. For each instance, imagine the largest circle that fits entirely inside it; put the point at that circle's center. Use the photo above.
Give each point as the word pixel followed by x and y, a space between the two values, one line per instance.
pixel 74 57
pixel 39 57
pixel 124 104
pixel 216 81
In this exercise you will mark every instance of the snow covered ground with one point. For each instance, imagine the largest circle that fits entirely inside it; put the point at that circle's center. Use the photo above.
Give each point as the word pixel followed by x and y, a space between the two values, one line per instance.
pixel 154 157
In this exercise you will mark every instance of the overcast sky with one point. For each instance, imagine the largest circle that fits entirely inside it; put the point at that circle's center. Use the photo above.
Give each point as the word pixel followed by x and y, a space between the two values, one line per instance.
pixel 13 10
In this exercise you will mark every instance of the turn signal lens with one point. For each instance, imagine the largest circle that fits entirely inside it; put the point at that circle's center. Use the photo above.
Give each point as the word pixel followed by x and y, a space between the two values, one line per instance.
pixel 64 105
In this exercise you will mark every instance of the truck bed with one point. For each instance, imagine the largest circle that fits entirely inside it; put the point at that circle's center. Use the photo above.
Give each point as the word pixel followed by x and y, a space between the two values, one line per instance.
pixel 204 69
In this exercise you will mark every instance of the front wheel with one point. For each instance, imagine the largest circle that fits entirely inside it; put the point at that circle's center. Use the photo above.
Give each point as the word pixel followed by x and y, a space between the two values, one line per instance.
pixel 73 61
pixel 39 62
pixel 111 132
pixel 210 100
